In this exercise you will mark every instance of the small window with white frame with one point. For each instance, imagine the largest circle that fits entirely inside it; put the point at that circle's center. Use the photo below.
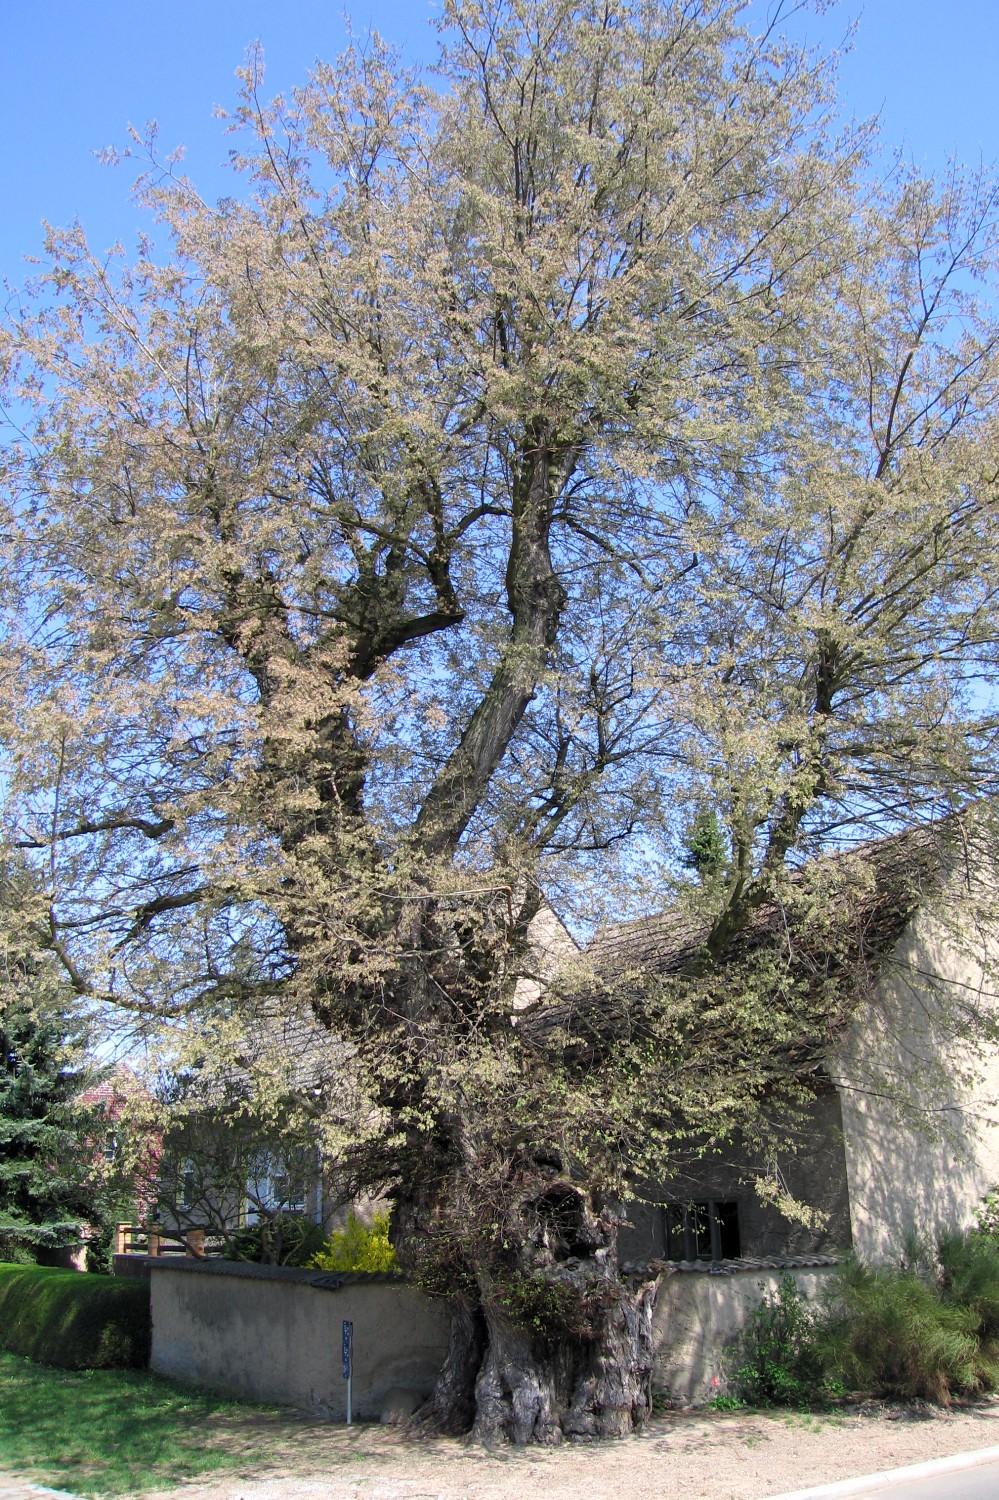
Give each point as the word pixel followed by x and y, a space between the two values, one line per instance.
pixel 273 1185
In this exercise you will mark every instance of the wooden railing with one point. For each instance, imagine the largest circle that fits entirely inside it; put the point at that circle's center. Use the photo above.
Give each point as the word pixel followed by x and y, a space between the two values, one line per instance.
pixel 153 1239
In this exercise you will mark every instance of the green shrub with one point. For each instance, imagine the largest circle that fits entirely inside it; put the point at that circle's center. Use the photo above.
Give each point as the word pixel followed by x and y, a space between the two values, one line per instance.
pixel 74 1320
pixel 969 1267
pixel 284 1240
pixel 777 1361
pixel 894 1334
pixel 927 1327
pixel 969 1278
pixel 356 1248
pixel 18 1255
pixel 987 1218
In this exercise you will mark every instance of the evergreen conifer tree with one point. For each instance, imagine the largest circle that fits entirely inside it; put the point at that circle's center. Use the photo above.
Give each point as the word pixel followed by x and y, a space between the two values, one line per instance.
pixel 707 849
pixel 43 1149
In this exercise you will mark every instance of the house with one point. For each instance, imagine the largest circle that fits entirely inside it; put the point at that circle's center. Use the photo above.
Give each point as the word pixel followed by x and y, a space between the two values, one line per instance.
pixel 229 1164
pixel 901 1135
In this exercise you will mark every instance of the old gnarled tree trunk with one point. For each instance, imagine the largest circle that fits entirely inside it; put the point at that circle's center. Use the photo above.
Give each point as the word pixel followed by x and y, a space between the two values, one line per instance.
pixel 547 1341
pixel 533 1387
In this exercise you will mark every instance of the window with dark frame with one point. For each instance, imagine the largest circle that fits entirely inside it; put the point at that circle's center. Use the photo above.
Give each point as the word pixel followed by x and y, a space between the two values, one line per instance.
pixel 701 1231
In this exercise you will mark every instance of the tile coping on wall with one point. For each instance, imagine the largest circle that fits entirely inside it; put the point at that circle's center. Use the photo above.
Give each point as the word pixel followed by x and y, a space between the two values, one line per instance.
pixel 332 1281
pixel 731 1267
pixel 324 1281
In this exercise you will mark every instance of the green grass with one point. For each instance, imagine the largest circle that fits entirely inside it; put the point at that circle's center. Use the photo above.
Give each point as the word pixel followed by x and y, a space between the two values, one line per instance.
pixel 117 1432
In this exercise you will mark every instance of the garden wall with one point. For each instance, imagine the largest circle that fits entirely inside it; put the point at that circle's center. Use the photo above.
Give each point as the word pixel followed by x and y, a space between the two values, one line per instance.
pixel 273 1334
pixel 701 1309
pixel 269 1333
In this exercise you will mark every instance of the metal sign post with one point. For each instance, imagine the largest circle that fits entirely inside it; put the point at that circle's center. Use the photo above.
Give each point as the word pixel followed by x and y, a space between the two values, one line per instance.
pixel 348 1361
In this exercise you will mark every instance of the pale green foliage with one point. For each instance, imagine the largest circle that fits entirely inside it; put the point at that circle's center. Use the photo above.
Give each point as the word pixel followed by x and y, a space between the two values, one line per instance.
pixel 358 1247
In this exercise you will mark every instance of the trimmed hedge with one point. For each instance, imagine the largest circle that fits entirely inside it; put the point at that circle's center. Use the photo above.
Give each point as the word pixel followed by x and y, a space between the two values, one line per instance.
pixel 75 1320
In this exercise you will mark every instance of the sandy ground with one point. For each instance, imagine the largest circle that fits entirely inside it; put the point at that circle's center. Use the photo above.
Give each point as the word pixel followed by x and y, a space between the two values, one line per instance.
pixel 726 1456
pixel 684 1454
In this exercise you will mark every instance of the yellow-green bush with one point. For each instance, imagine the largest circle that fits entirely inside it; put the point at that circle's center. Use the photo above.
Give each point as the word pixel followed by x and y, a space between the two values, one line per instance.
pixel 358 1248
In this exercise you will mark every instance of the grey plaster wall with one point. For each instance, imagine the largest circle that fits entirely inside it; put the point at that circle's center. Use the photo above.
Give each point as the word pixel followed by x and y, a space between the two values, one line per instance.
pixel 698 1316
pixel 550 946
pixel 273 1335
pixel 919 1102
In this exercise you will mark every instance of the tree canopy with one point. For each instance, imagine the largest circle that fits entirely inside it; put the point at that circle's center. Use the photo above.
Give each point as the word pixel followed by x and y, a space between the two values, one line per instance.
pixel 524 458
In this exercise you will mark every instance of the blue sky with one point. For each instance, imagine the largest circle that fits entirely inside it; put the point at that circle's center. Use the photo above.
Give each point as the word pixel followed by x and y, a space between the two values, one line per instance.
pixel 74 73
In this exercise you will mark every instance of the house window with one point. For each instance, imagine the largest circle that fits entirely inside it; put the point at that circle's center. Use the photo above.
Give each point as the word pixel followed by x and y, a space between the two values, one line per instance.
pixel 273 1185
pixel 702 1231
pixel 188 1186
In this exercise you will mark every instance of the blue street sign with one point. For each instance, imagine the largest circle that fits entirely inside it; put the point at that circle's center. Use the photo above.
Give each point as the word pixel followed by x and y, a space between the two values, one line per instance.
pixel 348 1349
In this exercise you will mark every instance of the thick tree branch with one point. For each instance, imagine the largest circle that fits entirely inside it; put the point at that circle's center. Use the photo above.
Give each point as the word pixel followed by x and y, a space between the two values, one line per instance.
pixel 536 599
pixel 148 827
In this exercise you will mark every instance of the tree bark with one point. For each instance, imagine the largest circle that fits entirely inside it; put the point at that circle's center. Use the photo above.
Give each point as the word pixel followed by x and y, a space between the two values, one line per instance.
pixel 536 598
pixel 533 1388
pixel 547 1341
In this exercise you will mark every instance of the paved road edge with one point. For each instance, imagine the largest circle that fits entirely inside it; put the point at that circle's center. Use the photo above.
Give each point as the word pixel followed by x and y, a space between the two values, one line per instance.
pixel 888 1478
